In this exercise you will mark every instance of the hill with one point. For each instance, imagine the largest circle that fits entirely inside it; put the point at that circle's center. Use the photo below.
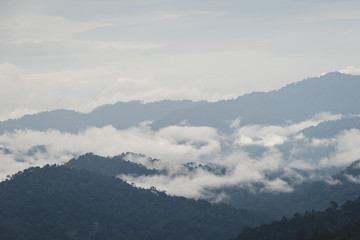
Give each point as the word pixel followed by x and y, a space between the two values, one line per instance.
pixel 332 224
pixel 120 115
pixel 329 129
pixel 111 166
pixel 56 202
pixel 310 194
pixel 340 187
pixel 334 92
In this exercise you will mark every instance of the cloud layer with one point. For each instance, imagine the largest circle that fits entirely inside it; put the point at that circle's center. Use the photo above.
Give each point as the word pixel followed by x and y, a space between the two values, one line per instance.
pixel 267 157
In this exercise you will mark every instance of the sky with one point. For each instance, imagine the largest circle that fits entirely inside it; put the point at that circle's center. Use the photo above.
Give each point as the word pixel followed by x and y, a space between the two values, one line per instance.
pixel 83 54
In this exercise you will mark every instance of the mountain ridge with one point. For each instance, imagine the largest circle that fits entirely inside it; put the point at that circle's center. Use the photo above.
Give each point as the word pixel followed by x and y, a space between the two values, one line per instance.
pixel 120 115
pixel 333 92
pixel 57 202
pixel 343 185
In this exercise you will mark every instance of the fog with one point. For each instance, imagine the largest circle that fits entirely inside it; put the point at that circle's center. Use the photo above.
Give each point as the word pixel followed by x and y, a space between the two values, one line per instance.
pixel 251 155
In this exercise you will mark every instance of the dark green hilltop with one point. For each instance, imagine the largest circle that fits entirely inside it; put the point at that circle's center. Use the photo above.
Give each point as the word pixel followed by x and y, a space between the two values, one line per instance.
pixel 57 202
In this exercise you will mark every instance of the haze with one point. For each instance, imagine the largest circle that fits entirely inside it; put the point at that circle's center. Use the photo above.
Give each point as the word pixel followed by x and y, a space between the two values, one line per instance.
pixel 82 54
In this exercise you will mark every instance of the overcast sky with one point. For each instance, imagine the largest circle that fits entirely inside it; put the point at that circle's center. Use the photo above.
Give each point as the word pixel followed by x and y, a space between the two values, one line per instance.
pixel 82 54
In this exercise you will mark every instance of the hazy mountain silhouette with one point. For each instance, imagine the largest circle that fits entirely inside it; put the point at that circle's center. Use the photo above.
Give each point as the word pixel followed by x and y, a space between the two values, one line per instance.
pixel 120 115
pixel 334 92
pixel 111 166
pixel 330 129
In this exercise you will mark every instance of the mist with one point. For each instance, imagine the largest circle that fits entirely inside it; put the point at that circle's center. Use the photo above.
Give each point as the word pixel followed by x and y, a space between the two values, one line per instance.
pixel 251 155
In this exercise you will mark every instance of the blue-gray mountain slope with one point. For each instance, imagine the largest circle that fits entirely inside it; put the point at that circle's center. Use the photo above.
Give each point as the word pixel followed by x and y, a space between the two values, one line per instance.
pixel 334 92
pixel 120 115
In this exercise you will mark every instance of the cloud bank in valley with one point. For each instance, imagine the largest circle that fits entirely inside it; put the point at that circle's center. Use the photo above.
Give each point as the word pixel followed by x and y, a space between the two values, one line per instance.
pixel 254 154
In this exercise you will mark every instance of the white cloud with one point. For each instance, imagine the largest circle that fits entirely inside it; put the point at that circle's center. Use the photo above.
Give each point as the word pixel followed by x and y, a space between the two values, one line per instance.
pixel 65 55
pixel 332 181
pixel 40 27
pixel 82 90
pixel 173 145
pixel 277 185
pixel 302 165
pixel 183 49
pixel 271 135
pixel 176 145
pixel 316 142
pixel 347 149
pixel 108 141
pixel 14 92
pixel 357 165
pixel 354 179
pixel 242 171
pixel 351 70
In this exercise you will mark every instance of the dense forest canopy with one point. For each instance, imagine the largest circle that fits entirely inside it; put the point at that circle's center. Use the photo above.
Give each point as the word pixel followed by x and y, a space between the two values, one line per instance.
pixel 335 223
pixel 56 202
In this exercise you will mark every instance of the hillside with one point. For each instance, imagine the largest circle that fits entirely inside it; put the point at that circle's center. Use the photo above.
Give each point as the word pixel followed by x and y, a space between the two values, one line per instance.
pixel 343 186
pixel 340 187
pixel 56 202
pixel 334 92
pixel 332 224
pixel 111 166
pixel 329 129
pixel 120 115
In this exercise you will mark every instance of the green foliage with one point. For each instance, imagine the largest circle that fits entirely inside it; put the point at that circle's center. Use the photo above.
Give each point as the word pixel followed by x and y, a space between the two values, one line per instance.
pixel 111 166
pixel 332 224
pixel 56 202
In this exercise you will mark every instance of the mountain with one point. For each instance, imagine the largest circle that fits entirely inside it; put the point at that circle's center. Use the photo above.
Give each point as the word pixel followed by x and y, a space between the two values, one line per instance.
pixel 120 115
pixel 112 166
pixel 329 129
pixel 306 195
pixel 57 202
pixel 117 165
pixel 335 92
pixel 340 187
pixel 332 224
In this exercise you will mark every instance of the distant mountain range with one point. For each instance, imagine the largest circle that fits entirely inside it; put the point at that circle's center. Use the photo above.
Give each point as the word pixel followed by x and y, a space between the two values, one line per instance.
pixel 335 92
pixel 329 129
pixel 120 115
pixel 83 199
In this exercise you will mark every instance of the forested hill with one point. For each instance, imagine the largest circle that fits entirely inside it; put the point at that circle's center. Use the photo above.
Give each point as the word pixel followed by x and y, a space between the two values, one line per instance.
pixel 332 224
pixel 344 187
pixel 120 115
pixel 113 166
pixel 56 202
